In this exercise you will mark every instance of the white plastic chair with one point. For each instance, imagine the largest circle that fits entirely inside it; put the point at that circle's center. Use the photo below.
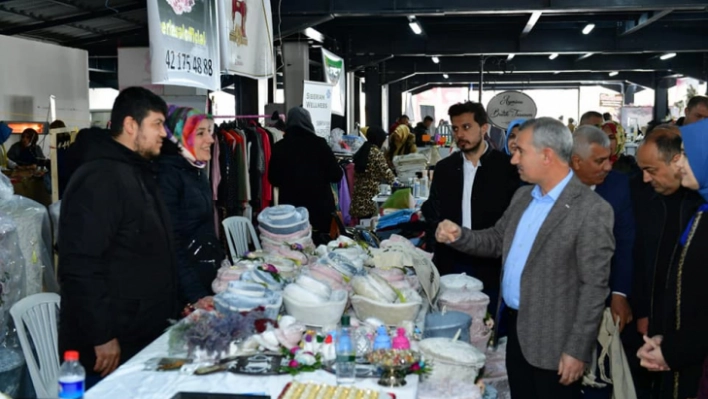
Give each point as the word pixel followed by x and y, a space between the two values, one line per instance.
pixel 237 231
pixel 38 315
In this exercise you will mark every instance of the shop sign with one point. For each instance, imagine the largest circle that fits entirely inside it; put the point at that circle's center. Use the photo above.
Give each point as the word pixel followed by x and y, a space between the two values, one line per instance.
pixel 184 45
pixel 335 76
pixel 246 38
pixel 317 99
pixel 509 105
pixel 611 100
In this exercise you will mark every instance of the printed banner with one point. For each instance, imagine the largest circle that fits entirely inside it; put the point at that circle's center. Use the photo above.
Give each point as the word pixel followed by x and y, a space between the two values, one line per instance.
pixel 184 45
pixel 246 38
pixel 317 99
pixel 335 76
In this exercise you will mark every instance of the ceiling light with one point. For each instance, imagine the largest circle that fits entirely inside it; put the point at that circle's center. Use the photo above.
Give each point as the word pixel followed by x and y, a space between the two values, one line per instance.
pixel 445 76
pixel 614 73
pixel 667 56
pixel 556 72
pixel 553 56
pixel 436 59
pixel 588 28
pixel 314 35
pixel 584 56
pixel 415 27
pixel 510 57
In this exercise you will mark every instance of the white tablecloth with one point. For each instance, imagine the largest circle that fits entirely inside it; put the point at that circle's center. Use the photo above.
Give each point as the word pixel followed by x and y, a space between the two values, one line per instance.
pixel 132 381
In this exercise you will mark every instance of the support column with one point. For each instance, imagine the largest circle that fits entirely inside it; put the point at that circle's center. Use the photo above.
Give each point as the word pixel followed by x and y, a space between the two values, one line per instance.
pixel 395 102
pixel 350 108
pixel 373 97
pixel 246 95
pixel 661 97
pixel 357 102
pixel 296 57
pixel 629 94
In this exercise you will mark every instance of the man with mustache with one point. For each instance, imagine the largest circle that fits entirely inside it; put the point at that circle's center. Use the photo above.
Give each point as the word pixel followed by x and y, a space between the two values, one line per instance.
pixel 473 188
pixel 117 270
pixel 591 164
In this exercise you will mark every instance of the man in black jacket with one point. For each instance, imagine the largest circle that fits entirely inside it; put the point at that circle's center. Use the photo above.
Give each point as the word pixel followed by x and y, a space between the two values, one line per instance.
pixel 662 210
pixel 473 188
pixel 117 266
pixel 421 129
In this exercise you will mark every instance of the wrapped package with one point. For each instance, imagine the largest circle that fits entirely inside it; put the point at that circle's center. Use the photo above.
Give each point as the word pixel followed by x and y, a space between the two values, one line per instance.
pixel 448 389
pixel 284 219
pixel 459 282
pixel 453 360
pixel 473 303
pixel 495 370
pixel 12 289
pixel 35 238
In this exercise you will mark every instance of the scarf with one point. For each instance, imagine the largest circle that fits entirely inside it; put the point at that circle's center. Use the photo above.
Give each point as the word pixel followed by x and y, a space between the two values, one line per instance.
pixel 375 137
pixel 695 143
pixel 181 126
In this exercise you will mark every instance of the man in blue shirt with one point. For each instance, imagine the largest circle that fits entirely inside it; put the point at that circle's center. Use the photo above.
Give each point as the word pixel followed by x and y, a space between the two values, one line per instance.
pixel 556 242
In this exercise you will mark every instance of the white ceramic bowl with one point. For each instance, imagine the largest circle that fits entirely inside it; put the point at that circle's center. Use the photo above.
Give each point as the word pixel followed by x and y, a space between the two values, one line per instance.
pixel 392 314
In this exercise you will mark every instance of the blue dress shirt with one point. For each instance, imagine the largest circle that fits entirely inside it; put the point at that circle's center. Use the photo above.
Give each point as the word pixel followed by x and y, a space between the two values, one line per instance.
pixel 529 225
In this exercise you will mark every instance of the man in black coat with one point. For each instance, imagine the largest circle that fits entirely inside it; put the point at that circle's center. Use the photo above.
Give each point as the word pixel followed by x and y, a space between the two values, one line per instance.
pixel 117 265
pixel 473 188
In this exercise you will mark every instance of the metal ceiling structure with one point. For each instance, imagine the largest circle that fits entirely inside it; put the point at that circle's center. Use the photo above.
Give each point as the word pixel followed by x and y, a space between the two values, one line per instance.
pixel 514 37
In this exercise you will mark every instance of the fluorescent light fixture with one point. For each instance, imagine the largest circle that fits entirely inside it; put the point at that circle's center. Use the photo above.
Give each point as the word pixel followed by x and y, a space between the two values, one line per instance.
pixel 584 56
pixel 588 28
pixel 446 76
pixel 510 57
pixel 415 27
pixel 553 56
pixel 556 72
pixel 314 35
pixel 667 56
pixel 436 59
pixel 614 73
pixel 531 23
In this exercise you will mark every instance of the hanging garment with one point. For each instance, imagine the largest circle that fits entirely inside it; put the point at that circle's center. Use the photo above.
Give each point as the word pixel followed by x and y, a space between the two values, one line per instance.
pixel 344 200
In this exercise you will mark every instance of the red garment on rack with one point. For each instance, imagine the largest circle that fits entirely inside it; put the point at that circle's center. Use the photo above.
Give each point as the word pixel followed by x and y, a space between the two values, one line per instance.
pixel 267 195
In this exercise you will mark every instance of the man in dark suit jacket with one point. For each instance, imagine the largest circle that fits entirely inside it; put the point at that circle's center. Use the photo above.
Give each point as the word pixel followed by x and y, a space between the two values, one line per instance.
pixel 473 188
pixel 556 245
pixel 591 163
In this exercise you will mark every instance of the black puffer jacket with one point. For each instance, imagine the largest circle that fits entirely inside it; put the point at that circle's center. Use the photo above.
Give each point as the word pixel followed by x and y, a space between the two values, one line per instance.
pixel 117 264
pixel 185 189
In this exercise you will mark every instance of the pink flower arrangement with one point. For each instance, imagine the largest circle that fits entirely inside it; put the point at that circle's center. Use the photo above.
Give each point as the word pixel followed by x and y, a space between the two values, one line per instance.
pixel 269 268
pixel 181 6
pixel 294 364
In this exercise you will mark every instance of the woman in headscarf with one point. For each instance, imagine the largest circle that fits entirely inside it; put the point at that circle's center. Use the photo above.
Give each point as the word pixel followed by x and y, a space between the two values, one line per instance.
pixel 188 196
pixel 511 133
pixel 370 170
pixel 620 162
pixel 401 142
pixel 679 352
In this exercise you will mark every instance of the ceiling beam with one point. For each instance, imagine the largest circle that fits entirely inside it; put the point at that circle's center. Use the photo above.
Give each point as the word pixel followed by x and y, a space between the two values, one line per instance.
pixel 108 37
pixel 401 68
pixel 532 22
pixel 284 27
pixel 366 8
pixel 38 18
pixel 506 86
pixel 358 63
pixel 539 41
pixel 50 23
pixel 641 78
pixel 80 6
pixel 644 20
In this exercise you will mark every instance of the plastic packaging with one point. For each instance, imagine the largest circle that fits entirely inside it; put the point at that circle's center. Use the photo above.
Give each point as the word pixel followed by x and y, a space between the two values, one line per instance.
pixel 400 341
pixel 346 354
pixel 72 377
pixel 35 238
pixel 382 341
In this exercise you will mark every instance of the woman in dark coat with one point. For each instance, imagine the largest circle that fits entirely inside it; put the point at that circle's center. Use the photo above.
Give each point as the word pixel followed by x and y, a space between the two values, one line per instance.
pixel 188 196
pixel 682 348
pixel 303 167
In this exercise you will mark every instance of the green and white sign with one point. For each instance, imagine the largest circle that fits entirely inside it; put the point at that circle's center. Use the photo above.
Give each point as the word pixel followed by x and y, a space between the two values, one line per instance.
pixel 334 75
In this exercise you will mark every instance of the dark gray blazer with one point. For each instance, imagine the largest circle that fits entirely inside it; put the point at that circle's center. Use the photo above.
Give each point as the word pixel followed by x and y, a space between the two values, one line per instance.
pixel 565 281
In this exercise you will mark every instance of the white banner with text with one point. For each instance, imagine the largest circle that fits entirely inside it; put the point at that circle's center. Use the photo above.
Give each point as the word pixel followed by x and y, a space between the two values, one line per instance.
pixel 317 99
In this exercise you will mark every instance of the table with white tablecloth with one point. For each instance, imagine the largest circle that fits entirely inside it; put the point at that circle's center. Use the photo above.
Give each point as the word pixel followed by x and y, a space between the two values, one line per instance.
pixel 131 380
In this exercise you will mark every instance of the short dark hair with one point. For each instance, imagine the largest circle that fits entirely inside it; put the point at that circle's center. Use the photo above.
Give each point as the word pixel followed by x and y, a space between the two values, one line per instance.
pixel 667 139
pixel 588 115
pixel 135 102
pixel 403 116
pixel 428 119
pixel 471 107
pixel 57 124
pixel 31 134
pixel 607 116
pixel 696 100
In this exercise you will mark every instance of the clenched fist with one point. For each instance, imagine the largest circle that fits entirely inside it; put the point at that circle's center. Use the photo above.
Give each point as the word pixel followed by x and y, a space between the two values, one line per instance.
pixel 447 232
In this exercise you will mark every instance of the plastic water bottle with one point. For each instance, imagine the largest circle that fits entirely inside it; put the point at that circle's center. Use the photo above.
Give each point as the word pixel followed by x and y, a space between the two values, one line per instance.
pixel 72 377
pixel 346 354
